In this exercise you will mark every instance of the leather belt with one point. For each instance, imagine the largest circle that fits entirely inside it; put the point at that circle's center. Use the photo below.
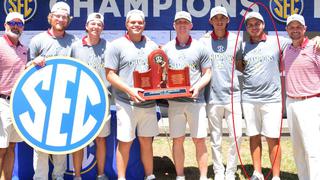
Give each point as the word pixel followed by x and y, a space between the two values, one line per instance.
pixel 3 96
pixel 304 97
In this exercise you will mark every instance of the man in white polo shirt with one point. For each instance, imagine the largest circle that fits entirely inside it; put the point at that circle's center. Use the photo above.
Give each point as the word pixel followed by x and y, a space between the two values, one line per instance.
pixel 91 50
pixel 302 67
pixel 53 42
pixel 123 56
pixel 221 44
pixel 261 94
pixel 13 58
pixel 184 51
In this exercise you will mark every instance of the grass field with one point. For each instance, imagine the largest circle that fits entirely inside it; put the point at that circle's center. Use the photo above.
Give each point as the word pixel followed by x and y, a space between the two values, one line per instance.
pixel 164 167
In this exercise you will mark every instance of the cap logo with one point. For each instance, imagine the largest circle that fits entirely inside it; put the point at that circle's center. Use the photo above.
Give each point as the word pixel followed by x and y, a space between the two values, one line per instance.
pixel 27 7
pixel 281 10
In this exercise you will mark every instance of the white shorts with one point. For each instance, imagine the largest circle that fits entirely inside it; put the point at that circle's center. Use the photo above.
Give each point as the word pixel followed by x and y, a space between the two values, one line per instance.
pixel 7 131
pixel 181 113
pixel 130 117
pixel 263 118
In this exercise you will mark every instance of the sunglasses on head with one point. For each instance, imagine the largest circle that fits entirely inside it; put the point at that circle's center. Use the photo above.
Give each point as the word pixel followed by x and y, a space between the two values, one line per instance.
pixel 14 23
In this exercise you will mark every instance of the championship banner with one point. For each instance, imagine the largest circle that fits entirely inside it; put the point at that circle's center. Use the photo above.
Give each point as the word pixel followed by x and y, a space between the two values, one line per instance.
pixel 61 107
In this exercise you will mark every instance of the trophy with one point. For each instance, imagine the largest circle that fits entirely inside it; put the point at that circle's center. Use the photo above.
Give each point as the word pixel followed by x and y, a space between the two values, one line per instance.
pixel 161 82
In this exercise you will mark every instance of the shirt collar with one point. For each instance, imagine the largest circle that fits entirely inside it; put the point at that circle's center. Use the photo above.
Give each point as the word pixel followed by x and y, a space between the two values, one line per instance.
pixel 263 38
pixel 84 41
pixel 10 43
pixel 128 37
pixel 215 37
pixel 305 42
pixel 187 44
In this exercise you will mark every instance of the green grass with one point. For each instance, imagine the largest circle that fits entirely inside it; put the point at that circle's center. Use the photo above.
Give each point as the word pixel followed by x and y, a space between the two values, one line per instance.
pixel 164 167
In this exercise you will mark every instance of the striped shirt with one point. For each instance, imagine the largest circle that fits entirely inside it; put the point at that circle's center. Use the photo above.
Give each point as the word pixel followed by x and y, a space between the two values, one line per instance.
pixel 12 62
pixel 302 67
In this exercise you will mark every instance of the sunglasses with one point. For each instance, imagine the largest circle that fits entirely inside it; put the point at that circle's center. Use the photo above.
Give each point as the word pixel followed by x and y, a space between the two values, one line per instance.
pixel 14 23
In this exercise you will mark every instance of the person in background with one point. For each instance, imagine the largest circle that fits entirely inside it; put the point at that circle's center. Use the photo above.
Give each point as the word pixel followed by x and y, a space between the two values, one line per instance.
pixel 13 59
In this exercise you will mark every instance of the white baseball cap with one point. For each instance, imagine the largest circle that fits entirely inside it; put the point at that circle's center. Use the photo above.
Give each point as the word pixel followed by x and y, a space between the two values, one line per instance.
pixel 296 17
pixel 218 10
pixel 253 14
pixel 95 16
pixel 14 15
pixel 183 15
pixel 61 6
pixel 135 12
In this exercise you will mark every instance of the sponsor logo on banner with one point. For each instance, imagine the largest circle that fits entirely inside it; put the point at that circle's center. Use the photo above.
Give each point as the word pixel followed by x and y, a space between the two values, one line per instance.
pixel 61 107
pixel 282 9
pixel 26 7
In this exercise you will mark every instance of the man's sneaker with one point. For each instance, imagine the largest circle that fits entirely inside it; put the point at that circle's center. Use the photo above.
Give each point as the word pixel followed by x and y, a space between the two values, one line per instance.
pixel 275 178
pixel 77 178
pixel 257 176
pixel 180 178
pixel 150 177
pixel 230 176
pixel 57 177
pixel 102 177
pixel 203 178
pixel 219 176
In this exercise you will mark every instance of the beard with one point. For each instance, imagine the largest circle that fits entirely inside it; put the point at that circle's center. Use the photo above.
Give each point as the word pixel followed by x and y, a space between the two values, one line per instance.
pixel 14 33
pixel 59 27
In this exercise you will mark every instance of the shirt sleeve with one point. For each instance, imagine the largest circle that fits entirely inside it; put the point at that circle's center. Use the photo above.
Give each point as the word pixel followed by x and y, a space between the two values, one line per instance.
pixel 33 50
pixel 112 57
pixel 205 57
pixel 239 50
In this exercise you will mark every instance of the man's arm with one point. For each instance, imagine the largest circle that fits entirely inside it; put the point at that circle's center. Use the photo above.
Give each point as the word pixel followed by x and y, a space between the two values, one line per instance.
pixel 240 65
pixel 205 79
pixel 118 83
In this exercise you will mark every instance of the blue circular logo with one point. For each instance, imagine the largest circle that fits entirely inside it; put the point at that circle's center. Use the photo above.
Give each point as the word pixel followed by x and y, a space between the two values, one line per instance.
pixel 60 107
pixel 281 10
pixel 26 7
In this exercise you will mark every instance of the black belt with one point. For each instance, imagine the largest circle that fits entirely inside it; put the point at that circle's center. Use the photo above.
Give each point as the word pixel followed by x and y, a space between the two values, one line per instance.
pixel 4 96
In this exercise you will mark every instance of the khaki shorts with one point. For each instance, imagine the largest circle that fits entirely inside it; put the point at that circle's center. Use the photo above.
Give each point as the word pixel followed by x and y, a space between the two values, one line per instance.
pixel 181 113
pixel 130 118
pixel 105 131
pixel 263 118
pixel 7 131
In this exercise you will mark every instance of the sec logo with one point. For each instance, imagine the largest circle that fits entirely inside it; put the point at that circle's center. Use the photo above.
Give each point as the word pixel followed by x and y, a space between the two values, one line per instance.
pixel 282 9
pixel 25 7
pixel 60 107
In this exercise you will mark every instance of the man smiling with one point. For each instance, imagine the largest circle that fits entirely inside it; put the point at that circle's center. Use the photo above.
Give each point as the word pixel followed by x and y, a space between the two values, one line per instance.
pixel 13 57
pixel 53 42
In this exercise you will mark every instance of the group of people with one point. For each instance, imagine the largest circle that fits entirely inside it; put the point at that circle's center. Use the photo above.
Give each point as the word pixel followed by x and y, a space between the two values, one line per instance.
pixel 214 62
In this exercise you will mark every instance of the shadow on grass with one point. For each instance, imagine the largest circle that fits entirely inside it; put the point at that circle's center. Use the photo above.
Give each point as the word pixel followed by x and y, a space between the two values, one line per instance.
pixel 164 170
